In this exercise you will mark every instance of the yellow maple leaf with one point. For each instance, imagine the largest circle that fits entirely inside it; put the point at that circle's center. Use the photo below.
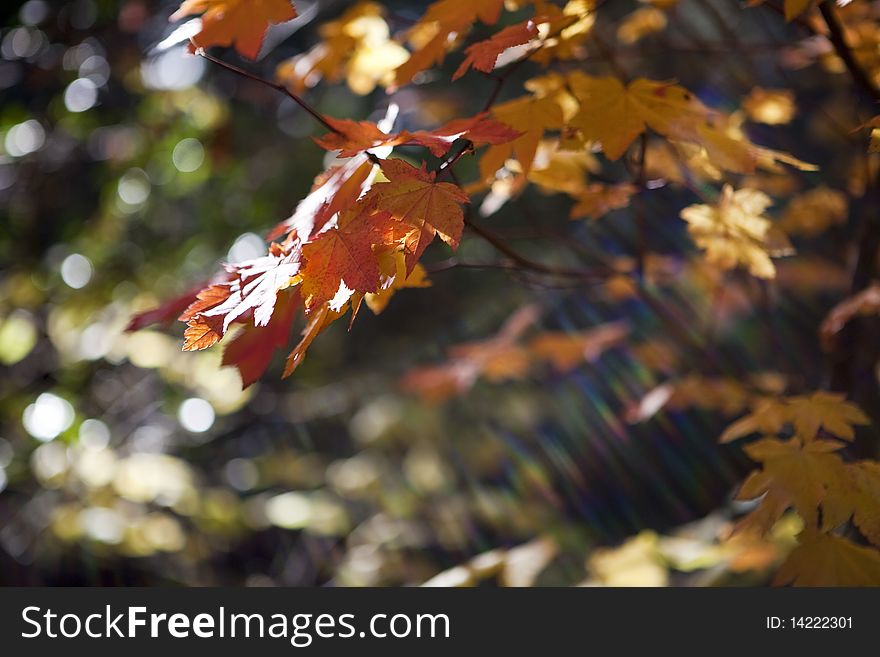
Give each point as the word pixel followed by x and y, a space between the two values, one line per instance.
pixel 734 232
pixel 768 416
pixel 857 497
pixel 598 199
pixel 808 414
pixel 829 560
pixel 866 302
pixel 773 504
pixel 770 106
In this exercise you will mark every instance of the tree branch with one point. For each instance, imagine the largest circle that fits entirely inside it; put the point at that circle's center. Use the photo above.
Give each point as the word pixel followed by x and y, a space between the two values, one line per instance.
pixel 844 51
pixel 315 114
pixel 527 263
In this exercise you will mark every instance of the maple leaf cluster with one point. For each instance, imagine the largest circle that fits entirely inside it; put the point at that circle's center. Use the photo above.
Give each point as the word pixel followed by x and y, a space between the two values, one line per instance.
pixel 329 262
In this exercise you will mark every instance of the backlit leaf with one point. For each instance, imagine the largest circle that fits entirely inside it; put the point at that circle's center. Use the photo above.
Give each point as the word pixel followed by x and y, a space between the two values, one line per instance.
pixel 242 23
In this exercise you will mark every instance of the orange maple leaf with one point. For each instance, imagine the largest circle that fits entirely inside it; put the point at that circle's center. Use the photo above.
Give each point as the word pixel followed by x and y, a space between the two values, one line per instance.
pixel 242 23
pixel 565 351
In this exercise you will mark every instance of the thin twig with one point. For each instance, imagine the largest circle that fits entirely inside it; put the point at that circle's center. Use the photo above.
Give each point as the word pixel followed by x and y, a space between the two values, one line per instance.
pixel 315 114
pixel 844 51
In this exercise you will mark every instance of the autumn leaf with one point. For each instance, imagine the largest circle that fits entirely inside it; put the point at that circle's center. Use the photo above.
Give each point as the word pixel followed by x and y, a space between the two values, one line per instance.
pixel 479 130
pixel 774 502
pixel 735 232
pixel 424 207
pixel 352 137
pixel 864 303
pixel 343 254
pixel 356 47
pixel 444 21
pixel 202 332
pixel 636 562
pixel 770 106
pixel 829 560
pixel 598 199
pixel 828 411
pixel 318 322
pixel 498 358
pixel 565 351
pixel 166 312
pixel 531 116
pixel 803 473
pixel 813 212
pixel 437 383
pixel 558 170
pixel 769 416
pixel 393 266
pixel 567 31
pixel 614 115
pixel 252 349
pixel 242 23
pixel 482 55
